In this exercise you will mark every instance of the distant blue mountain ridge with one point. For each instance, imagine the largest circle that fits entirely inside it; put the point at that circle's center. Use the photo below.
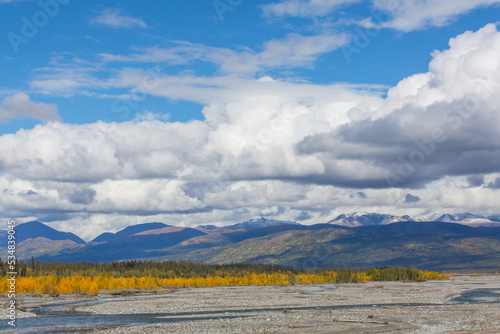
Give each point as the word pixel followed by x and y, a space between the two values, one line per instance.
pixel 35 229
pixel 355 240
pixel 128 231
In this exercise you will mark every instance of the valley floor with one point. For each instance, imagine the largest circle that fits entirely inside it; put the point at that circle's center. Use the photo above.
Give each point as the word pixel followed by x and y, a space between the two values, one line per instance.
pixel 373 307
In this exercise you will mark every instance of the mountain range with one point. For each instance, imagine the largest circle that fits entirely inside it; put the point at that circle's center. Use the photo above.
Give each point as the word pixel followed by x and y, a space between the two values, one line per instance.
pixel 354 240
pixel 369 219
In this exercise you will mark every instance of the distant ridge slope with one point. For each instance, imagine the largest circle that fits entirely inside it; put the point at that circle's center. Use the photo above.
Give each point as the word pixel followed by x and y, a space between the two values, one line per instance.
pixel 128 231
pixel 35 229
pixel 434 228
pixel 135 246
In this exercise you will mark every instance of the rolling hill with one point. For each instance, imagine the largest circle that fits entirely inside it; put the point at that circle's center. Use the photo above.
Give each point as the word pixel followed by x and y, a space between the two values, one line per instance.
pixel 128 231
pixel 35 229
pixel 37 239
pixel 452 246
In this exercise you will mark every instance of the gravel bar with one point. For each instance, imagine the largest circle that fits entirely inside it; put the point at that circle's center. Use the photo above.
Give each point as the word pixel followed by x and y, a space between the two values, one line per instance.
pixel 372 307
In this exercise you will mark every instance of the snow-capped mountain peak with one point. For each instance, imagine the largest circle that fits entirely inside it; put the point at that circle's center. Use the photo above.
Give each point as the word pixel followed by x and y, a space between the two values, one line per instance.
pixel 262 222
pixel 367 219
pixel 370 219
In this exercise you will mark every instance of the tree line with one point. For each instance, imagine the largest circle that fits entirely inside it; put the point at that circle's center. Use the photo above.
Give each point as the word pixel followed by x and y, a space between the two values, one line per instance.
pixel 50 277
pixel 139 268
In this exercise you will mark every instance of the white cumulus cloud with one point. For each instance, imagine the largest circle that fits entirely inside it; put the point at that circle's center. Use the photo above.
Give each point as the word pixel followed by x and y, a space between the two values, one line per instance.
pixel 112 18
pixel 277 147
pixel 409 15
pixel 20 106
pixel 304 8
pixel 402 15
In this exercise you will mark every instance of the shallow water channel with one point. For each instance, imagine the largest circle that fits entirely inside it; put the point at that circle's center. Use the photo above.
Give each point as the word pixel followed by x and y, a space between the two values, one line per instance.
pixel 63 318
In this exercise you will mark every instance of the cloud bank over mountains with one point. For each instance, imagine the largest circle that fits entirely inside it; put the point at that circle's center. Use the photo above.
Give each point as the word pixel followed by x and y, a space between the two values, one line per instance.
pixel 299 147
pixel 273 141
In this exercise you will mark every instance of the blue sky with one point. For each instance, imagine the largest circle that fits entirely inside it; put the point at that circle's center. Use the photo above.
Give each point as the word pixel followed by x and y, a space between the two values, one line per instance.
pixel 209 80
pixel 75 39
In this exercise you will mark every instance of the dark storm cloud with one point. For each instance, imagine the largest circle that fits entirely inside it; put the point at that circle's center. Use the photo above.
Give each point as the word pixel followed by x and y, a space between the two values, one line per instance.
pixel 412 198
pixel 410 147
pixel 475 180
pixel 494 184
pixel 29 193
pixel 304 215
pixel 54 217
pixel 82 196
pixel 362 194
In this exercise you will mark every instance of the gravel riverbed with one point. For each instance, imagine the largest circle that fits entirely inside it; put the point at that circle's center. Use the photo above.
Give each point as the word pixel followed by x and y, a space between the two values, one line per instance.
pixel 373 307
